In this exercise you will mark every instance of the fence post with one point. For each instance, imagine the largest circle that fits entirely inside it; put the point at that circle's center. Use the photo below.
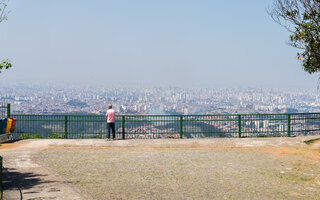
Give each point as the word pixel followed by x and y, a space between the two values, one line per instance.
pixel 289 125
pixel 8 110
pixel 239 125
pixel 65 126
pixel 123 128
pixel 1 186
pixel 181 128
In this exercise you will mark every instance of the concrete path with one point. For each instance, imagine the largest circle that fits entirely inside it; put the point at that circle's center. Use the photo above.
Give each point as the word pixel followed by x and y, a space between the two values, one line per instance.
pixel 25 179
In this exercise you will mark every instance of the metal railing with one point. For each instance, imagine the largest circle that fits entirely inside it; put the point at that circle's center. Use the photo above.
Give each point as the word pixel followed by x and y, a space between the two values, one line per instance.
pixel 168 126
pixel 4 109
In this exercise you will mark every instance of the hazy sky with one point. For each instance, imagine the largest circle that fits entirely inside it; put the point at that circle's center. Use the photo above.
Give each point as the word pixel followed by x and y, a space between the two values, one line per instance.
pixel 184 43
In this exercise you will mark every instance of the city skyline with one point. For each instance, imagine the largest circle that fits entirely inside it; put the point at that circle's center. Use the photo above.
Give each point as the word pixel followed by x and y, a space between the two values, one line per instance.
pixel 54 99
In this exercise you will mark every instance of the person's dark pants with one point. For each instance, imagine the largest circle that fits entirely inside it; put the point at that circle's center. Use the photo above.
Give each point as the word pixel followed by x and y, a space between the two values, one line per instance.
pixel 111 126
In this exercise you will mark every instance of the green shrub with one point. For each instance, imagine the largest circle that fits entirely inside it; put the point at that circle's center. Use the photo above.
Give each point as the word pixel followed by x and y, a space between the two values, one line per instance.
pixel 262 135
pixel 56 136
pixel 96 136
pixel 26 136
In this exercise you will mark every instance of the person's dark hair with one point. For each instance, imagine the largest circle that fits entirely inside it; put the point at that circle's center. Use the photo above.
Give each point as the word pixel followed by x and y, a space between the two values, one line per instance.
pixel 109 106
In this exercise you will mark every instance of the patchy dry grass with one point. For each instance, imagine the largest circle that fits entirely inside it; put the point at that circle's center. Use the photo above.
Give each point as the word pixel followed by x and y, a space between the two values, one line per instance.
pixel 312 141
pixel 187 173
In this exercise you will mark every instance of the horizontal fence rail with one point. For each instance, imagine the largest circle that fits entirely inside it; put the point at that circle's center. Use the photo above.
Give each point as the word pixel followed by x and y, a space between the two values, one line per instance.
pixel 168 126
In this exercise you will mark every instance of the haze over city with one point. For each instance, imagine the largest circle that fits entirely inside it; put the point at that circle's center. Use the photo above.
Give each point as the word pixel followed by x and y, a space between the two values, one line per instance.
pixel 159 99
pixel 207 44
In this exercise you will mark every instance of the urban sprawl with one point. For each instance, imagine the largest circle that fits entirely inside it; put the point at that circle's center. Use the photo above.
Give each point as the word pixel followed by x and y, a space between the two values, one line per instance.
pixel 49 100
pixel 156 100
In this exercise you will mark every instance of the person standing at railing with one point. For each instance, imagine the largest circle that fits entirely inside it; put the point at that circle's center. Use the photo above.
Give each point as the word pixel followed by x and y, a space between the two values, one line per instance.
pixel 110 115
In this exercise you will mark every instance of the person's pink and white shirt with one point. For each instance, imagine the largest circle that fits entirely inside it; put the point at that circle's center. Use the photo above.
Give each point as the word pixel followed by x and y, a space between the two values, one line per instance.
pixel 110 116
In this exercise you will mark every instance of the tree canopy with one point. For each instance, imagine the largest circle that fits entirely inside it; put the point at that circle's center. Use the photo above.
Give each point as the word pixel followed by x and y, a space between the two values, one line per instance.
pixel 5 63
pixel 302 19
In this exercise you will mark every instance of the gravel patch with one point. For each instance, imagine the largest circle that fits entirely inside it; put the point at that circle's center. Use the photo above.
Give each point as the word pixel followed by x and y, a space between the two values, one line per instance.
pixel 186 173
pixel 220 168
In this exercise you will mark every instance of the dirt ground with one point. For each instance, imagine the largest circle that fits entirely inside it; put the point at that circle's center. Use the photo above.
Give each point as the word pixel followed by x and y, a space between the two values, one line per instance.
pixel 221 168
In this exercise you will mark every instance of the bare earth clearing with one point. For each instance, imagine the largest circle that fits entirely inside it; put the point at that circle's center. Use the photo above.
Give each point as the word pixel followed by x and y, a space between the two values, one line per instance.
pixel 223 168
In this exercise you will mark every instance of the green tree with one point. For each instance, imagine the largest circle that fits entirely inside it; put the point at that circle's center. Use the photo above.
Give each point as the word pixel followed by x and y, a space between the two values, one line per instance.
pixel 302 19
pixel 5 63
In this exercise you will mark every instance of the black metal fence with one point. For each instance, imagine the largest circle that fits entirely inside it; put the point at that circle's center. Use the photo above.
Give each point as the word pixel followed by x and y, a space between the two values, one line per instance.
pixel 168 126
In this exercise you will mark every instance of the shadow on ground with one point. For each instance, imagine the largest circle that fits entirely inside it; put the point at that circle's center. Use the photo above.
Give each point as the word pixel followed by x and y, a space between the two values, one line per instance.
pixel 12 179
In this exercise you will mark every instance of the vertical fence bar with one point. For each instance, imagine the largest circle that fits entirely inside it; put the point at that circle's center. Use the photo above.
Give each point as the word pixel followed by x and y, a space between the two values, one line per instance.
pixel 1 188
pixel 181 126
pixel 289 125
pixel 65 126
pixel 8 110
pixel 239 125
pixel 123 128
